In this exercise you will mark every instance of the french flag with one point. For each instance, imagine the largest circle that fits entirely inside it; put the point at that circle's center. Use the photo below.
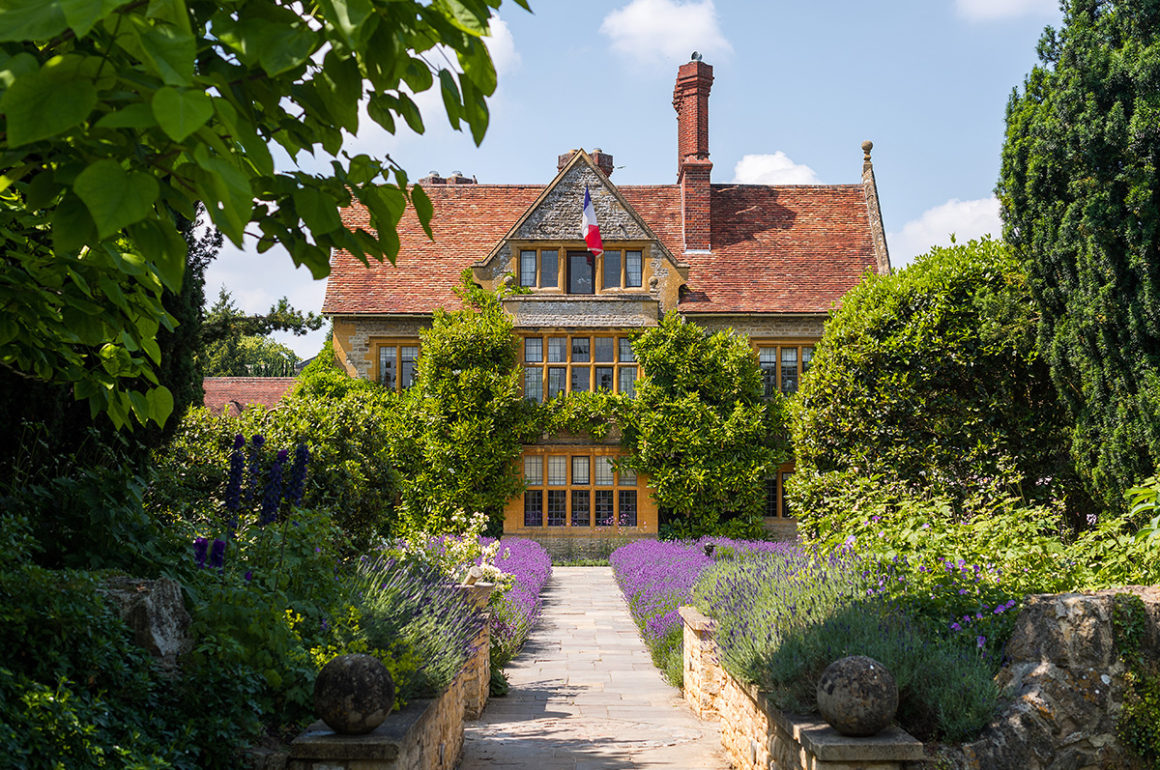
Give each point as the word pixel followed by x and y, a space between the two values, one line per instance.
pixel 589 230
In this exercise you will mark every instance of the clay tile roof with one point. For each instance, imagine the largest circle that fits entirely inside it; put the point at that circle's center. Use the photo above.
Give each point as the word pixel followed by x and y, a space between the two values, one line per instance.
pixel 776 248
pixel 232 394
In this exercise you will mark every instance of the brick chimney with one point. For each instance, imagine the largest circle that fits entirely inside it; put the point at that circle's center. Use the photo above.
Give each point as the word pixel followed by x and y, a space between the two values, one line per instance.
pixel 691 101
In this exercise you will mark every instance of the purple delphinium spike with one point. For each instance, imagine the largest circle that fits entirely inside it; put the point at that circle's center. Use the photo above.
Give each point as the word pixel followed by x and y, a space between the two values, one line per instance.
pixel 217 554
pixel 298 475
pixel 272 496
pixel 200 547
pixel 233 497
pixel 253 489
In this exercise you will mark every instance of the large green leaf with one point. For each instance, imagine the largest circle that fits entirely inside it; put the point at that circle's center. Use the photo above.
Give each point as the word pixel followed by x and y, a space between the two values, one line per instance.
pixel 167 49
pixel 469 15
pixel 317 209
pixel 47 103
pixel 347 16
pixel 180 113
pixel 115 198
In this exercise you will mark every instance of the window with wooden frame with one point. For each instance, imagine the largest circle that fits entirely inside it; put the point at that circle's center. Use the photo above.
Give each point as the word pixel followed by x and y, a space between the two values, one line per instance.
pixel 580 489
pixel 578 271
pixel 395 363
pixel 782 366
pixel 559 363
pixel 776 506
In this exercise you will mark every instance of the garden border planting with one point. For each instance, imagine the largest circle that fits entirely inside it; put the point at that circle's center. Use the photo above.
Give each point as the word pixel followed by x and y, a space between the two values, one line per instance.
pixel 427 734
pixel 756 734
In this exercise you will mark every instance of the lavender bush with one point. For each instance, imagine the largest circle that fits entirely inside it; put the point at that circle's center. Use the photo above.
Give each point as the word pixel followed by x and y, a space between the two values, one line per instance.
pixel 410 608
pixel 657 577
pixel 783 617
pixel 517 610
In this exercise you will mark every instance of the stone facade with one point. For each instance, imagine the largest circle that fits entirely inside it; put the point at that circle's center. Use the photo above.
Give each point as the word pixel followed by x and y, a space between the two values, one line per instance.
pixel 804 327
pixel 154 610
pixel 354 339
pixel 571 311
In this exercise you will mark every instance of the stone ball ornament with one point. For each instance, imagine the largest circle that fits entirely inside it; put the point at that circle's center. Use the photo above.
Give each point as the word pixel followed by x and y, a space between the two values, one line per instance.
pixel 353 694
pixel 857 696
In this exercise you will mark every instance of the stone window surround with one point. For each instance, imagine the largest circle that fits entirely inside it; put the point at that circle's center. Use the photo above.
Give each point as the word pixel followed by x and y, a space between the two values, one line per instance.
pixel 563 247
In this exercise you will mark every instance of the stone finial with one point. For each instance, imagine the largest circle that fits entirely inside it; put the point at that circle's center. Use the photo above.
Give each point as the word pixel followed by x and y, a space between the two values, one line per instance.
pixel 867 146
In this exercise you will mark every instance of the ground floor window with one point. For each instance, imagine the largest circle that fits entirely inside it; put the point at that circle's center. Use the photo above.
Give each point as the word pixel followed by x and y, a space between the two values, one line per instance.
pixel 579 489
pixel 396 362
pixel 776 506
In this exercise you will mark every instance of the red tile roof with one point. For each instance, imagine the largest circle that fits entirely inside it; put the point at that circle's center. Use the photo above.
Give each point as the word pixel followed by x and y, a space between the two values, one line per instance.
pixel 776 249
pixel 233 394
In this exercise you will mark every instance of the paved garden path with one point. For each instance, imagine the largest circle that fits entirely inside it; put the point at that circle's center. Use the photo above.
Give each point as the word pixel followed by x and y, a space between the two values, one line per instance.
pixel 585 694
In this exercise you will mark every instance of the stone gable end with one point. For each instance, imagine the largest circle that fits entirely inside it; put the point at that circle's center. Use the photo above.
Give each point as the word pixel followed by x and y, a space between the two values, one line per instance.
pixel 557 218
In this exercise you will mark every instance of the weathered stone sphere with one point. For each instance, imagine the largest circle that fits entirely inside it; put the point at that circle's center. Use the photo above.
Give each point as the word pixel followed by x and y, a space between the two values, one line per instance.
pixel 857 696
pixel 353 694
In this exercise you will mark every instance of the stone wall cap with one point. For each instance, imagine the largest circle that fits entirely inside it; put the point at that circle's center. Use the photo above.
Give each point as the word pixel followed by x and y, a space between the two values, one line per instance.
pixel 383 743
pixel 696 620
pixel 828 745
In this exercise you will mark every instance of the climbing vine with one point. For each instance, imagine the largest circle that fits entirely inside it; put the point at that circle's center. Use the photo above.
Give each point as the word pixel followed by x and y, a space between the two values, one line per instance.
pixel 1139 725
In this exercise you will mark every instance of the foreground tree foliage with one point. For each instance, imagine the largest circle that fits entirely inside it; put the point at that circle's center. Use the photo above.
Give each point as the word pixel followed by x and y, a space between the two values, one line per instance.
pixel 701 430
pixel 928 382
pixel 118 117
pixel 1080 192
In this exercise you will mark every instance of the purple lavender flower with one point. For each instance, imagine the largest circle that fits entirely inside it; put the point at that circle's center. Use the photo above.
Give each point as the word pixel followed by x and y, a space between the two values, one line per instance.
pixel 956 627
pixel 217 554
pixel 200 547
pixel 980 641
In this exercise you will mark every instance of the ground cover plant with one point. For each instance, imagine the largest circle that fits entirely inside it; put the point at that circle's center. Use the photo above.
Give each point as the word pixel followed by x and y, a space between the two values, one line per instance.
pixel 657 577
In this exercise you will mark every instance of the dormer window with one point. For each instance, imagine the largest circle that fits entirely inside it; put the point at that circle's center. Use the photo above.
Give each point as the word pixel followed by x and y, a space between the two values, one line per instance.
pixel 581 271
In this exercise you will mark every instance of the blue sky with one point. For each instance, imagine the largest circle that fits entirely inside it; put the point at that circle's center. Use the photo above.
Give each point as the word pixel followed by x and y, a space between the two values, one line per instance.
pixel 798 86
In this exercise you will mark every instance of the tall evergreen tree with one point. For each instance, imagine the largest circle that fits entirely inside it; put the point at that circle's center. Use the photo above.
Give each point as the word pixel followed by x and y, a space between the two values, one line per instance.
pixel 1080 192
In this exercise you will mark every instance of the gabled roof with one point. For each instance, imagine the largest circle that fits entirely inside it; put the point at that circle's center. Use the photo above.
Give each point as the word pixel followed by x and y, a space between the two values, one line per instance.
pixel 775 248
pixel 233 394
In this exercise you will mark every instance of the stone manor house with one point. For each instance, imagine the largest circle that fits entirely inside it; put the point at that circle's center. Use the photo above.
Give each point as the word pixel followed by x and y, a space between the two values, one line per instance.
pixel 767 261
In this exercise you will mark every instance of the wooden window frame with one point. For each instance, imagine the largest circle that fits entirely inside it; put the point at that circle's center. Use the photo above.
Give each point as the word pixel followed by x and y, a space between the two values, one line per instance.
pixel 591 453
pixel 563 267
pixel 777 345
pixel 779 479
pixel 398 343
pixel 568 365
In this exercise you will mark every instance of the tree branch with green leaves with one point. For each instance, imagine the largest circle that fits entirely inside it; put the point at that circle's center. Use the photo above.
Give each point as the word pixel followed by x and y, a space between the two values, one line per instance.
pixel 118 117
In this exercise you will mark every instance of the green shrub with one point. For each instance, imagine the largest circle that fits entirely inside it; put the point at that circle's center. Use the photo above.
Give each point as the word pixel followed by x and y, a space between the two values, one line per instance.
pixel 463 423
pixel 351 473
pixel 701 430
pixel 928 380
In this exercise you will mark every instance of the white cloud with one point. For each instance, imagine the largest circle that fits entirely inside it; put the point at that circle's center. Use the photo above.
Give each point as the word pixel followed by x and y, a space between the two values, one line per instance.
pixel 502 47
pixel 965 219
pixel 989 10
pixel 772 169
pixel 663 31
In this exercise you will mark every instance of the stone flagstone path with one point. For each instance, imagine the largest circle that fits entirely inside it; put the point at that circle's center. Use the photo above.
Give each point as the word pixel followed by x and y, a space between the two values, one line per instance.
pixel 585 694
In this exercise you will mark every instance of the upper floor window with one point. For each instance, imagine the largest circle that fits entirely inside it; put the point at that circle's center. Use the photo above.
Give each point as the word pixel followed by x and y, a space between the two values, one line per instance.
pixel 557 364
pixel 581 272
pixel 782 366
